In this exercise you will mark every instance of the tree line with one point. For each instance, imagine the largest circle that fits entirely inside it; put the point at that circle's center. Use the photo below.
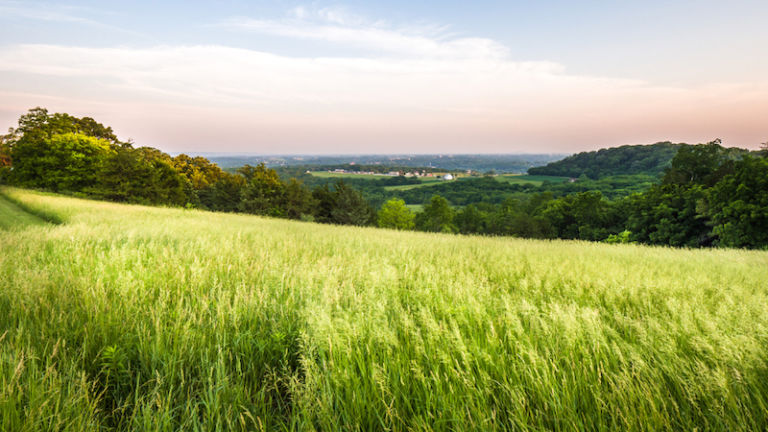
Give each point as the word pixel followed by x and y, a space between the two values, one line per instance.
pixel 706 197
pixel 79 156
pixel 709 195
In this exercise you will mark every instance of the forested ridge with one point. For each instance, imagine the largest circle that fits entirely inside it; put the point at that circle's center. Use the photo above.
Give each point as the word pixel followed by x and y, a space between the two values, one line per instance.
pixel 672 194
pixel 650 159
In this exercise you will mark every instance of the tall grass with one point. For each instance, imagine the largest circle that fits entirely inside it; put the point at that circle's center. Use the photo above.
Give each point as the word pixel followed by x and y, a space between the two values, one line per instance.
pixel 141 318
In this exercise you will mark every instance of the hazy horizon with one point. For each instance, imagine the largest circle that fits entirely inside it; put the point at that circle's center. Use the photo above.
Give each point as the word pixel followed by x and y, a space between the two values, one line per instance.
pixel 357 77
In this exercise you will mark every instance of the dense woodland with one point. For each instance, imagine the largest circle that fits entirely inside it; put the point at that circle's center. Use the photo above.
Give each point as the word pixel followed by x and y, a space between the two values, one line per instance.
pixel 628 159
pixel 664 194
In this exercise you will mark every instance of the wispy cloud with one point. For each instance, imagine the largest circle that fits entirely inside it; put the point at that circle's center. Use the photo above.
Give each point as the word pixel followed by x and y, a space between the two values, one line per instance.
pixel 338 26
pixel 59 13
pixel 420 86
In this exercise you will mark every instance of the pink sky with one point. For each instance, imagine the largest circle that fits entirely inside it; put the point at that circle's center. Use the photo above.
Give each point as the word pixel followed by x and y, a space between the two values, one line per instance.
pixel 421 93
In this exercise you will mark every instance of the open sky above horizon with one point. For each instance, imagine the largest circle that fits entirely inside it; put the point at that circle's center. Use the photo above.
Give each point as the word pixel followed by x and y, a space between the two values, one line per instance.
pixel 393 77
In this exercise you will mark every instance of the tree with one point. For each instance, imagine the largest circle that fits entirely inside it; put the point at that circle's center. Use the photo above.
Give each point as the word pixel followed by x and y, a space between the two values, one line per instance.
pixel 299 202
pixel 471 220
pixel 394 214
pixel 200 172
pixel 326 202
pixel 702 164
pixel 739 205
pixel 437 216
pixel 5 158
pixel 222 195
pixel 763 149
pixel 263 193
pixel 351 208
pixel 63 162
pixel 670 214
pixel 578 216
pixel 136 175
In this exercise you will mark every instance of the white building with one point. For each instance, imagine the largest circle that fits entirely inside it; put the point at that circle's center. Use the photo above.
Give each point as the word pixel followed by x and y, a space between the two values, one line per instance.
pixel 448 177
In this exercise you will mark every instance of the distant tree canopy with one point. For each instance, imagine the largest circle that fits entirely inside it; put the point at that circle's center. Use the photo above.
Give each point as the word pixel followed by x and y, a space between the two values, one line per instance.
pixel 685 195
pixel 438 216
pixel 395 215
pixel 629 159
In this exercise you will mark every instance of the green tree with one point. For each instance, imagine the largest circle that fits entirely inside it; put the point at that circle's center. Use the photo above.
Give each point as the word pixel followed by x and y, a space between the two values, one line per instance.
pixel 437 216
pixel 578 216
pixel 200 172
pixel 263 192
pixel 224 194
pixel 471 220
pixel 63 162
pixel 326 202
pixel 136 175
pixel 350 207
pixel 5 158
pixel 739 205
pixel 702 164
pixel 670 214
pixel 394 214
pixel 299 202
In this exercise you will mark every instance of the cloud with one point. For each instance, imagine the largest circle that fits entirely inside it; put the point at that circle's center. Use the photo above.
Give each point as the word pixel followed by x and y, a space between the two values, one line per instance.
pixel 75 15
pixel 338 26
pixel 44 12
pixel 416 88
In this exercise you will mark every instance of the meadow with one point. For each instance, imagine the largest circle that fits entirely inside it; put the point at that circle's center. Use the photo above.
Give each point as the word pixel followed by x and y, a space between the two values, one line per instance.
pixel 125 317
pixel 536 180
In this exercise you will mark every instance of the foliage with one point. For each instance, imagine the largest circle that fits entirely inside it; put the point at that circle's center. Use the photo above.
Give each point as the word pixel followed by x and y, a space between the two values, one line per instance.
pixel 437 216
pixel 623 237
pixel 708 195
pixel 134 175
pixel 671 215
pixel 200 172
pixel 263 192
pixel 395 215
pixel 350 207
pixel 629 159
pixel 61 162
pixel 739 205
pixel 299 203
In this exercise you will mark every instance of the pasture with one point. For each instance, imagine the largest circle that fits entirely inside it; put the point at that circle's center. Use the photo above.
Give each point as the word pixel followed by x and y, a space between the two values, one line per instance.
pixel 536 180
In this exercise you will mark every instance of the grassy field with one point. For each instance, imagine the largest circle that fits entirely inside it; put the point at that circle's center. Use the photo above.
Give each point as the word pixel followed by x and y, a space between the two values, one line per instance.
pixel 425 181
pixel 327 174
pixel 529 179
pixel 14 217
pixel 140 318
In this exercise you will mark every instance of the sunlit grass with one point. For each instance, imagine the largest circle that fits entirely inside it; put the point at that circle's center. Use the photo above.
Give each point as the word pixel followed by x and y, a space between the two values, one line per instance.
pixel 529 179
pixel 142 318
pixel 14 217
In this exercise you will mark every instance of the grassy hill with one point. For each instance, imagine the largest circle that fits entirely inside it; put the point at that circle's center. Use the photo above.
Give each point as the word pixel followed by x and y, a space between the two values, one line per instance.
pixel 143 318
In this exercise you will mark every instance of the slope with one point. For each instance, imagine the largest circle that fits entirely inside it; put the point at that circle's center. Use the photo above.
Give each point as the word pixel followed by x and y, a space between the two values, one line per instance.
pixel 142 318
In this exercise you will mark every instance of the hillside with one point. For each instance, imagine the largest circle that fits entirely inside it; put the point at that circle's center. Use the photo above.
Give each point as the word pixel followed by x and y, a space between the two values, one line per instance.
pixel 127 317
pixel 629 159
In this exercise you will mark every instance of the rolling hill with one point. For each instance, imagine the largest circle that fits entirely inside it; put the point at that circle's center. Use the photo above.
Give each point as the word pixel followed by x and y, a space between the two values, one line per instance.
pixel 628 159
pixel 125 317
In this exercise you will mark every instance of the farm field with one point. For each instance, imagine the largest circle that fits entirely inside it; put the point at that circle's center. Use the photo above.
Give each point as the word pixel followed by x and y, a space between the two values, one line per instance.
pixel 126 317
pixel 535 180
pixel 425 182
pixel 341 175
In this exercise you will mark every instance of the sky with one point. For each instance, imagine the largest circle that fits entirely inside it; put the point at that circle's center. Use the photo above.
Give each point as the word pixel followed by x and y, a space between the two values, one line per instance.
pixel 316 77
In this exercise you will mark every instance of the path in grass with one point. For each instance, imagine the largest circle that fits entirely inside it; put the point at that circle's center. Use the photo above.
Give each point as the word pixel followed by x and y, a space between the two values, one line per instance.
pixel 13 216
